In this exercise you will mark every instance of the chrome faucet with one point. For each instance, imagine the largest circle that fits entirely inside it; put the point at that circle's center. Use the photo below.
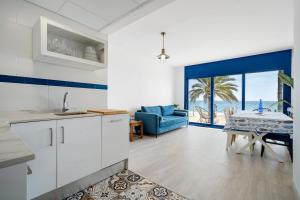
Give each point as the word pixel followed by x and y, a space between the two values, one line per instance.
pixel 65 106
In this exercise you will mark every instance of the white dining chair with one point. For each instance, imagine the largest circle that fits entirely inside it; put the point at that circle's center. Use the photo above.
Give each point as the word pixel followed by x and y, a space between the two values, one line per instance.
pixel 233 135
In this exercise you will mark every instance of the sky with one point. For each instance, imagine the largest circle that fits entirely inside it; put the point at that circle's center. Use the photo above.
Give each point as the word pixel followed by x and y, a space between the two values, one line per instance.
pixel 261 85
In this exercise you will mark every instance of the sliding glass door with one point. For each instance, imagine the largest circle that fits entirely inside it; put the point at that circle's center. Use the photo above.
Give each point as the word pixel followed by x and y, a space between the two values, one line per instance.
pixel 205 108
pixel 239 84
pixel 199 100
pixel 236 92
pixel 227 95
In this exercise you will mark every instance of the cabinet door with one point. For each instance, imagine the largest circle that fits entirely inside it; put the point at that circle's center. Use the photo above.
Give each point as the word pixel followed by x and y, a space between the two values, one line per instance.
pixel 115 139
pixel 78 148
pixel 41 138
pixel 13 182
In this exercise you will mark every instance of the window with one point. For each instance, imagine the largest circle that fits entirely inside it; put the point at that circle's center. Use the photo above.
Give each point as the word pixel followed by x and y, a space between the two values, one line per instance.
pixel 227 95
pixel 199 100
pixel 236 83
pixel 265 86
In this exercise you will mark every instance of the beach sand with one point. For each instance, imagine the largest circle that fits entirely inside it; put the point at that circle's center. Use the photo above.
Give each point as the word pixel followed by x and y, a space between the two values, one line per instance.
pixel 195 117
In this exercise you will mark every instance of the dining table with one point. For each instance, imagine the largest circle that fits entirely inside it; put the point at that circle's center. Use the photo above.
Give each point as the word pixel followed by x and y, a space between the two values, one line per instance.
pixel 258 125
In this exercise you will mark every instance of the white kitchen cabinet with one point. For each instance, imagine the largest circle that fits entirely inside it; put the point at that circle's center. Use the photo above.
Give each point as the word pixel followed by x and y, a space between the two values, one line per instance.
pixel 40 136
pixel 13 182
pixel 67 150
pixel 78 148
pixel 115 139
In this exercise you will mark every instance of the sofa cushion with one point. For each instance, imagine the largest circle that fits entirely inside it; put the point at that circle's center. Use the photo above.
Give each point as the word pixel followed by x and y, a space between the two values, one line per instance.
pixel 171 120
pixel 167 110
pixel 152 109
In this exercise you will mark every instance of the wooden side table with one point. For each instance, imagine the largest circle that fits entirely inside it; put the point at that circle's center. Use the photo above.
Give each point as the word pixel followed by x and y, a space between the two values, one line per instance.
pixel 134 123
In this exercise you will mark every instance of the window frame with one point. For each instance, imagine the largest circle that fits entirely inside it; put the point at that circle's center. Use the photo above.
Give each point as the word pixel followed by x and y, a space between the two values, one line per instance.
pixel 274 61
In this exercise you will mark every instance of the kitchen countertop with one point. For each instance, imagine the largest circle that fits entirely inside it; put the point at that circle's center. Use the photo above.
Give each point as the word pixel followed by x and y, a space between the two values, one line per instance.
pixel 33 116
pixel 108 111
pixel 12 149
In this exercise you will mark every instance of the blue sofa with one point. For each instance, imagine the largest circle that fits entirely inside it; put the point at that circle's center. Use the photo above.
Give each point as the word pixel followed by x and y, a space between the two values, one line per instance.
pixel 161 119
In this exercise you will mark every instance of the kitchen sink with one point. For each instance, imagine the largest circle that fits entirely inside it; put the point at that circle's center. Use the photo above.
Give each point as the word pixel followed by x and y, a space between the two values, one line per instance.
pixel 71 113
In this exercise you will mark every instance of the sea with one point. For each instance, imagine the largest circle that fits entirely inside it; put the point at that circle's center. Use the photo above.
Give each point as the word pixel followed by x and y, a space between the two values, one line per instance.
pixel 219 106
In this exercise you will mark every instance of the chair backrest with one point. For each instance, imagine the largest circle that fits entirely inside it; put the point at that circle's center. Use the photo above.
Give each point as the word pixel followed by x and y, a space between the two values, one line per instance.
pixel 290 112
pixel 234 110
pixel 227 113
pixel 202 112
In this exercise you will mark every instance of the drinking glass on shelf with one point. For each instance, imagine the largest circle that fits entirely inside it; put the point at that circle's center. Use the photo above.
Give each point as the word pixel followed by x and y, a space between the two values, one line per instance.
pixel 69 51
pixel 49 44
pixel 56 45
pixel 63 47
pixel 79 53
pixel 74 52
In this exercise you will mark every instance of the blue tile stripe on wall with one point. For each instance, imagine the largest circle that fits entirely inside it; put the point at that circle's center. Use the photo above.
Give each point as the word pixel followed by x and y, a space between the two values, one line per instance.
pixel 49 82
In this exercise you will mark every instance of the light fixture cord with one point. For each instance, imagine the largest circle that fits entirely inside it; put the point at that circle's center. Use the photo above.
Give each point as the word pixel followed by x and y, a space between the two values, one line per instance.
pixel 163 41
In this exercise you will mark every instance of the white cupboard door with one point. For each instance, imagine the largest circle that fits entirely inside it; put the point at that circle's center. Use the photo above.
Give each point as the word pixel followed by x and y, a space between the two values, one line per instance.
pixel 115 139
pixel 13 182
pixel 78 148
pixel 41 138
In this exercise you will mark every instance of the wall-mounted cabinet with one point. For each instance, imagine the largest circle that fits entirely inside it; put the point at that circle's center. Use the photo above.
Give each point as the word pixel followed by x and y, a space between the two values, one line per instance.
pixel 58 44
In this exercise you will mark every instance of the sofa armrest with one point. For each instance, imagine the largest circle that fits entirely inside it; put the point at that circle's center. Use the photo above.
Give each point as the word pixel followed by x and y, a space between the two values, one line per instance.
pixel 181 112
pixel 151 121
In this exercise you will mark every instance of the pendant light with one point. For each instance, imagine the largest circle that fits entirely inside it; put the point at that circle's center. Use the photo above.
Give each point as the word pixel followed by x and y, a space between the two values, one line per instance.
pixel 163 56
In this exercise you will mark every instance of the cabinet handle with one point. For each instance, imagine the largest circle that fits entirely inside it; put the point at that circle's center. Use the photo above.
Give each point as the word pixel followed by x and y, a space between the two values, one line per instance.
pixel 29 171
pixel 51 136
pixel 63 134
pixel 115 120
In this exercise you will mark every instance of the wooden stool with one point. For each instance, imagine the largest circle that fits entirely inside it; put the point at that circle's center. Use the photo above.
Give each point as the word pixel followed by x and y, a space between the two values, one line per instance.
pixel 134 123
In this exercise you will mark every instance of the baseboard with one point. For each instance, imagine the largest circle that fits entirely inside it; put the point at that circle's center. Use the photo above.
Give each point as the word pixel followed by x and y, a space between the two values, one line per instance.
pixel 76 186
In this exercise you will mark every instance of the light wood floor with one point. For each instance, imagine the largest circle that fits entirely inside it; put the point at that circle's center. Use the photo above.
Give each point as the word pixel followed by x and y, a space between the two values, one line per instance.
pixel 193 162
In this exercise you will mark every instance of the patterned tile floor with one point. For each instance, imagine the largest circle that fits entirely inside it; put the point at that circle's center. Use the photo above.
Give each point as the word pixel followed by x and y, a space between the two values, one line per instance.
pixel 126 185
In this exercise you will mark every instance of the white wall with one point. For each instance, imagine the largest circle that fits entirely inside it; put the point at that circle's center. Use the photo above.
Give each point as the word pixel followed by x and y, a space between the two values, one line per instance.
pixel 178 82
pixel 296 96
pixel 136 78
pixel 17 18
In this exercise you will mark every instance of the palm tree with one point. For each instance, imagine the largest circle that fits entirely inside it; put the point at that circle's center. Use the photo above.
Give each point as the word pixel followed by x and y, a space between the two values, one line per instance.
pixel 223 88
pixel 279 92
pixel 284 80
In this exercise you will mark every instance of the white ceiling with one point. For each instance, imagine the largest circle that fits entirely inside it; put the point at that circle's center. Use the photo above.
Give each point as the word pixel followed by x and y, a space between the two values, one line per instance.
pixel 201 31
pixel 101 15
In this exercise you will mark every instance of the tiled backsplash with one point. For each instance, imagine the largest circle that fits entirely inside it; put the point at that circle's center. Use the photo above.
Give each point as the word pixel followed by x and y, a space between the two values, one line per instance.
pixel 39 97
pixel 17 19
